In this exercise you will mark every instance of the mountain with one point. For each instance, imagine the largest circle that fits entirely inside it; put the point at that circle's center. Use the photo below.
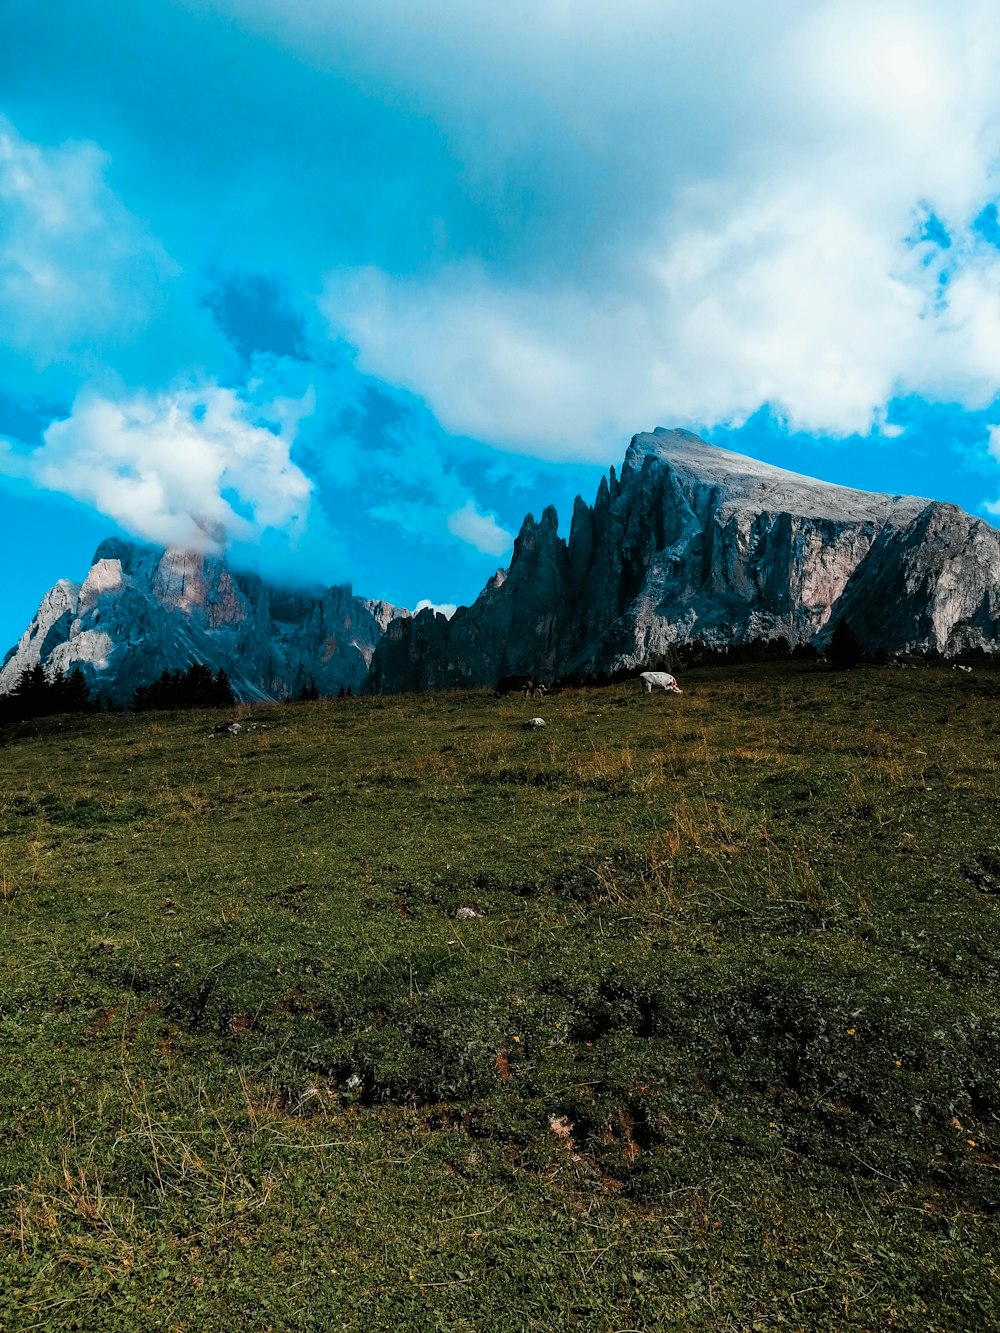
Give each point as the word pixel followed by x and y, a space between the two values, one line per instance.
pixel 142 610
pixel 698 543
pixel 691 543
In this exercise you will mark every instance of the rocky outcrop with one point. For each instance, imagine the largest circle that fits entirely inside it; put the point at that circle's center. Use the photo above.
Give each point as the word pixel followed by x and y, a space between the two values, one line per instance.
pixel 143 610
pixel 695 542
pixel 933 585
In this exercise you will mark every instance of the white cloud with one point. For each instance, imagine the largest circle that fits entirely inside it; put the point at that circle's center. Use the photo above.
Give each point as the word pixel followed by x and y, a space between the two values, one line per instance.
pixel 446 609
pixel 770 168
pixel 480 530
pixel 73 261
pixel 189 468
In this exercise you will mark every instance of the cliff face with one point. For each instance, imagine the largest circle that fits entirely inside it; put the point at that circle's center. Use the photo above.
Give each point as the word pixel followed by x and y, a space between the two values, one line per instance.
pixel 141 611
pixel 695 542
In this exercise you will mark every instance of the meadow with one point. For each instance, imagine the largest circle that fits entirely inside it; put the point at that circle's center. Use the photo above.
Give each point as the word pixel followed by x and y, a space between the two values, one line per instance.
pixel 719 1049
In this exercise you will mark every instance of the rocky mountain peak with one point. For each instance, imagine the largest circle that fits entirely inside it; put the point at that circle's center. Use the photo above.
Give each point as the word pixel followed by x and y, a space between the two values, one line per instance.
pixel 142 610
pixel 745 480
pixel 698 542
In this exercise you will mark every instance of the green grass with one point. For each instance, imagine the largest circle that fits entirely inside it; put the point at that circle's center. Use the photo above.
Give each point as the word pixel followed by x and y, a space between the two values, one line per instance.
pixel 720 1050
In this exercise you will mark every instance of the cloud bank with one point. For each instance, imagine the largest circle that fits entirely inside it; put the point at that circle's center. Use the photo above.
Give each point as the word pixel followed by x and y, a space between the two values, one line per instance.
pixel 74 262
pixel 799 224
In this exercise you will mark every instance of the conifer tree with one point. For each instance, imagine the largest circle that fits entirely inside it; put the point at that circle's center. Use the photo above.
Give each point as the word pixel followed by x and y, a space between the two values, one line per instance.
pixel 845 649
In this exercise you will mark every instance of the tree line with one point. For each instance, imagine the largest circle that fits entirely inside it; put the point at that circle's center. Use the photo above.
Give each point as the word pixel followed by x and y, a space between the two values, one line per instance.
pixel 38 693
pixel 194 688
pixel 41 693
pixel 845 649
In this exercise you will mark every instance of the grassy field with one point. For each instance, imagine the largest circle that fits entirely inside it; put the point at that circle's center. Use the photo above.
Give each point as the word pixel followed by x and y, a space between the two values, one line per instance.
pixel 719 1051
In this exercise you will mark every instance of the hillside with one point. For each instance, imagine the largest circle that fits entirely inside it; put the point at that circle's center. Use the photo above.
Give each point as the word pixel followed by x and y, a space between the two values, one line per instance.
pixel 718 1050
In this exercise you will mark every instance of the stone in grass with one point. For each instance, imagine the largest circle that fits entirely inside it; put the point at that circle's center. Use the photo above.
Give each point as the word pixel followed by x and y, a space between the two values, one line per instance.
pixel 466 914
pixel 533 724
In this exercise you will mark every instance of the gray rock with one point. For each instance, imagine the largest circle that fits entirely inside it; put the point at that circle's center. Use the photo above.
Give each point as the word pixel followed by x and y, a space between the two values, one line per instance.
pixel 533 724
pixel 698 543
pixel 466 914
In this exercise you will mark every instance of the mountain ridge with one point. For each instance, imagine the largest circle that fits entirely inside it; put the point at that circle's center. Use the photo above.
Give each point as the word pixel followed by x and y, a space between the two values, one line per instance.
pixel 690 542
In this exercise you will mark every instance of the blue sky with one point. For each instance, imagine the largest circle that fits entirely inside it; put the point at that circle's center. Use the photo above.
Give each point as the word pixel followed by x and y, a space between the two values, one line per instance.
pixel 350 288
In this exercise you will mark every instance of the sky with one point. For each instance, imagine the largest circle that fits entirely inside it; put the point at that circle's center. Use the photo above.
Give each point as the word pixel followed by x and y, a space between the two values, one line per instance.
pixel 347 289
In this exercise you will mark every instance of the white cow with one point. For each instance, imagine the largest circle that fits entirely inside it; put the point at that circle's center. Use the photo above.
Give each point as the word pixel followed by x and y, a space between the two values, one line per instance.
pixel 662 680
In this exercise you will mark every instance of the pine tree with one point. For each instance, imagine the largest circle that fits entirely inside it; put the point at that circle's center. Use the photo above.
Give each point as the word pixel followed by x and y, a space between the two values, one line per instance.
pixel 222 690
pixel 845 649
pixel 29 694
